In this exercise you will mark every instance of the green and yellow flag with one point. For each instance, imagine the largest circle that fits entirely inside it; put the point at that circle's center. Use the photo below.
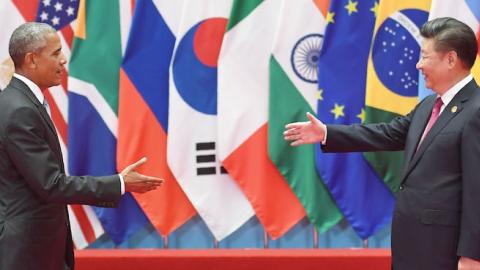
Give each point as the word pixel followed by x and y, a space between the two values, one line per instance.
pixel 392 78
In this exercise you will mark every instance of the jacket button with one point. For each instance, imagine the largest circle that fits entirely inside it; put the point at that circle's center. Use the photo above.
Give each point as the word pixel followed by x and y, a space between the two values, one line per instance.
pixel 401 187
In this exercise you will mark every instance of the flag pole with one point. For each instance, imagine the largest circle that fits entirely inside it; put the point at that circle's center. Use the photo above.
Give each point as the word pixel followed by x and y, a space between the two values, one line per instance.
pixel 265 239
pixel 315 237
pixel 365 243
pixel 165 241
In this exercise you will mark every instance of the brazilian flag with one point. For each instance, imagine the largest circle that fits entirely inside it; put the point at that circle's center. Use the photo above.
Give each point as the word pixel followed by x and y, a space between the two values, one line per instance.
pixel 392 78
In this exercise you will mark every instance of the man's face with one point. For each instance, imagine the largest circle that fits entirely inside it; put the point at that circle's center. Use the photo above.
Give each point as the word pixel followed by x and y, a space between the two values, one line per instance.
pixel 50 62
pixel 434 67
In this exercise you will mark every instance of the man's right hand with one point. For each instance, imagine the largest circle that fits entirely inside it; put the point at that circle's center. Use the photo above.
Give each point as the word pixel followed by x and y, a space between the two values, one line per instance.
pixel 312 131
pixel 136 182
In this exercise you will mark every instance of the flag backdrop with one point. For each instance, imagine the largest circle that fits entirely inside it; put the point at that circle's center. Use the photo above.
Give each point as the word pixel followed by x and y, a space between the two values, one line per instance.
pixel 467 11
pixel 192 139
pixel 243 114
pixel 143 109
pixel 364 199
pixel 293 91
pixel 392 76
pixel 93 104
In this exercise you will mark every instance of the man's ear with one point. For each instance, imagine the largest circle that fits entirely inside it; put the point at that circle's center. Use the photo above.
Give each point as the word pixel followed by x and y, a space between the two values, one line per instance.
pixel 452 59
pixel 29 60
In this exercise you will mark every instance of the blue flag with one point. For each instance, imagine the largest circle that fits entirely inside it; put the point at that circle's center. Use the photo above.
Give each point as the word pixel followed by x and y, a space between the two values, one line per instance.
pixel 360 193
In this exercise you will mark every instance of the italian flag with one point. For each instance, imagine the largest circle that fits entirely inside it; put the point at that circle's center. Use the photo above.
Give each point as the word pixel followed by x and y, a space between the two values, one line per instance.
pixel 243 96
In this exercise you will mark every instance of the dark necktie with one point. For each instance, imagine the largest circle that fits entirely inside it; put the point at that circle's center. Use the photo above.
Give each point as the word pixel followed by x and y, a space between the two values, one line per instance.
pixel 46 106
pixel 433 117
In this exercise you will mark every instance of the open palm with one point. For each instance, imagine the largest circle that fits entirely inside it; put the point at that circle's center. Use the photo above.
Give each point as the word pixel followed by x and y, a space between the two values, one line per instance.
pixel 311 131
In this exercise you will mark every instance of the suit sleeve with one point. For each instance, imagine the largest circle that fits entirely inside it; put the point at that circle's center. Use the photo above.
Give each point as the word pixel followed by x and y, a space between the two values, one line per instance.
pixel 469 240
pixel 368 137
pixel 27 146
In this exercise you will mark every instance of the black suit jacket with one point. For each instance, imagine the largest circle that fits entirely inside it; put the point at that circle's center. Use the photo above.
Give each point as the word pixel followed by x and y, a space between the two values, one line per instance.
pixel 34 190
pixel 437 213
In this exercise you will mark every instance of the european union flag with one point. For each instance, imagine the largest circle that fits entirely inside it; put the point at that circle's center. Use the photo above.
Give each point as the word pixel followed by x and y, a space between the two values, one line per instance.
pixel 360 193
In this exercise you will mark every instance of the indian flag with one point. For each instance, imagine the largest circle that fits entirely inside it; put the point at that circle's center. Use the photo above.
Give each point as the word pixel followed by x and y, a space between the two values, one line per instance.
pixel 293 91
pixel 243 83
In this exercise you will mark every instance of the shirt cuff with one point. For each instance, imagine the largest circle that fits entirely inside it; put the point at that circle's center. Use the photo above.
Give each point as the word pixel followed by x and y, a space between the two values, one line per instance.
pixel 325 138
pixel 122 184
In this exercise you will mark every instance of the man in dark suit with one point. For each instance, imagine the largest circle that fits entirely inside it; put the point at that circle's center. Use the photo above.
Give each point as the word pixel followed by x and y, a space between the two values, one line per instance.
pixel 34 190
pixel 436 223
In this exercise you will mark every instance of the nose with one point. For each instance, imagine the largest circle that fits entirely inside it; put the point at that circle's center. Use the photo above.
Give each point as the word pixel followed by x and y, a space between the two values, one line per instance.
pixel 63 59
pixel 419 64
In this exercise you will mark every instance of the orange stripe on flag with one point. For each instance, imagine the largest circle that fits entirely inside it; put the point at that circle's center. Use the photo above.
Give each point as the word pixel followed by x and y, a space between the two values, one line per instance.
pixel 322 5
pixel 140 134
pixel 80 31
pixel 28 9
pixel 85 225
pixel 275 204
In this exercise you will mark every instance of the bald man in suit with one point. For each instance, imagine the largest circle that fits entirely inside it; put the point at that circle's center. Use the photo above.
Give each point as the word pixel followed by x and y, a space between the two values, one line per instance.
pixel 34 189
pixel 436 223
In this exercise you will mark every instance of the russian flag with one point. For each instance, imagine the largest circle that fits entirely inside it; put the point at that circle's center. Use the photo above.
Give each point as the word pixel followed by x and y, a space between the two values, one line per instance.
pixel 143 109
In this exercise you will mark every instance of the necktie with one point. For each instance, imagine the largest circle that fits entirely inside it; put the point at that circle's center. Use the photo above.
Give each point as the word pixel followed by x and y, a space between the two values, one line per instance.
pixel 46 106
pixel 433 117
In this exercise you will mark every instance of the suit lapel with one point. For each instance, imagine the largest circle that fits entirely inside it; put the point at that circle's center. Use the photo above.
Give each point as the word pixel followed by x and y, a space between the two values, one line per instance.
pixel 26 91
pixel 453 109
pixel 422 116
pixel 18 84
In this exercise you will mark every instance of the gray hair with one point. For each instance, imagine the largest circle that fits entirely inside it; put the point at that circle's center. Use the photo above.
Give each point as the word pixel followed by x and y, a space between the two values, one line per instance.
pixel 452 35
pixel 28 37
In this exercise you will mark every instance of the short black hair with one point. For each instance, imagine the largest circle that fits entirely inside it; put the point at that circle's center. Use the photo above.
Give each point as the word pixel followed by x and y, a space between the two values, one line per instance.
pixel 452 35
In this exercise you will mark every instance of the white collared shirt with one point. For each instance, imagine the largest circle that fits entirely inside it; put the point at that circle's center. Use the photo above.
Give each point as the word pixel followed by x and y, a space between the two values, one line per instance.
pixel 32 86
pixel 450 94
pixel 39 95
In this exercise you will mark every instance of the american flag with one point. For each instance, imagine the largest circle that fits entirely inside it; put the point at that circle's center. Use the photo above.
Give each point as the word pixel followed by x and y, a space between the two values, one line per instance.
pixel 61 14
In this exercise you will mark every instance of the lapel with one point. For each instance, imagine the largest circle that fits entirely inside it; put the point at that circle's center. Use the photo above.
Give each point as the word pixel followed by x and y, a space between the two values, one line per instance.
pixel 423 115
pixel 27 92
pixel 447 114
pixel 18 84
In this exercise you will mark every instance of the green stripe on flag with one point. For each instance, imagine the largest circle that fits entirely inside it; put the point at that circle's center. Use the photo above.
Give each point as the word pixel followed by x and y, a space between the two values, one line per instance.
pixel 387 164
pixel 102 44
pixel 297 164
pixel 240 10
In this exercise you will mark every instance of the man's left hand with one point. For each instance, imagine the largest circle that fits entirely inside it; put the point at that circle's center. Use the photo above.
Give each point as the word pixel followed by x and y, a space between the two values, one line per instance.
pixel 466 263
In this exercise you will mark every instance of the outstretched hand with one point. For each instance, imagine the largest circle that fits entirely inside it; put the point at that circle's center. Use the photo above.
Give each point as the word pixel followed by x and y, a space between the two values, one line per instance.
pixel 136 182
pixel 466 263
pixel 311 131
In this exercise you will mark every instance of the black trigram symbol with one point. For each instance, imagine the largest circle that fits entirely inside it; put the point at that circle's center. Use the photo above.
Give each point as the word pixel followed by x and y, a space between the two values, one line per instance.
pixel 206 159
